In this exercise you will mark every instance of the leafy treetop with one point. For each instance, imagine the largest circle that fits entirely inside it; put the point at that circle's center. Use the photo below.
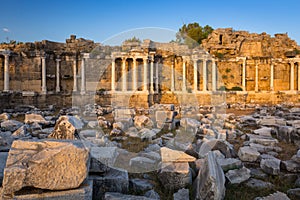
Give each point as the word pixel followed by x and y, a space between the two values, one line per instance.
pixel 133 39
pixel 193 34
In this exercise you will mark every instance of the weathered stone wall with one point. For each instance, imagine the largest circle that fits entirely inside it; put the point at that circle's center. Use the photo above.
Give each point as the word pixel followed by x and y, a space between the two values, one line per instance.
pixel 226 45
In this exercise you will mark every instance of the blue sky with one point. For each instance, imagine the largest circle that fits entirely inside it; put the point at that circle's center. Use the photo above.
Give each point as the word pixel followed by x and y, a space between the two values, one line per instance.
pixel 36 20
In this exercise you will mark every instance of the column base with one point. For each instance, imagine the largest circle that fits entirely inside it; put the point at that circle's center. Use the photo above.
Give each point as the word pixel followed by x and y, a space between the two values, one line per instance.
pixel 82 92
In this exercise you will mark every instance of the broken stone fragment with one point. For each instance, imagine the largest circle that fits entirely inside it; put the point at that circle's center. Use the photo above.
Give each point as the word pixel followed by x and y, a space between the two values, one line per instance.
pixel 238 176
pixel 46 165
pixel 210 182
pixel 170 155
pixel 174 176
pixel 143 121
pixel 248 154
pixel 66 127
pixel 30 118
pixel 11 125
pixel 270 166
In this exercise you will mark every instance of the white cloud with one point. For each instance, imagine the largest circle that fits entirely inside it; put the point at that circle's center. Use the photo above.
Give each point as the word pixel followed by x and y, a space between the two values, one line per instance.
pixel 5 30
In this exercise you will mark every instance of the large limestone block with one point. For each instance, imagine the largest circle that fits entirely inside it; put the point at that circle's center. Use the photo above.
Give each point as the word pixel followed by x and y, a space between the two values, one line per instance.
pixel 46 165
pixel 170 155
pixel 210 182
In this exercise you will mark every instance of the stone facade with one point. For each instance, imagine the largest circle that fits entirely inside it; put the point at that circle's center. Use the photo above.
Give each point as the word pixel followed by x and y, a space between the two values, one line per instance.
pixel 140 74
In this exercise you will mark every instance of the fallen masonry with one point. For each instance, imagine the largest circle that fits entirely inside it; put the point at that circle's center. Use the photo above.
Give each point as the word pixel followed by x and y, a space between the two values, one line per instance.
pixel 154 153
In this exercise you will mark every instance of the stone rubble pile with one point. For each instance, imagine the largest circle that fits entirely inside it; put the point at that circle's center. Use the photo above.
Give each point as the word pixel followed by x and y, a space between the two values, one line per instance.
pixel 175 150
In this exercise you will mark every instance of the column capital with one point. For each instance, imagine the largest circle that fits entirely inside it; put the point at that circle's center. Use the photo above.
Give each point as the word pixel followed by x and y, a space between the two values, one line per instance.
pixel 58 59
pixel 6 53
pixel 185 58
pixel 241 58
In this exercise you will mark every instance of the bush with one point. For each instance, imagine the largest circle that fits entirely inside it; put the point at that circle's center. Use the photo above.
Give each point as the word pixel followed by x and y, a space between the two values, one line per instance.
pixel 224 76
pixel 236 88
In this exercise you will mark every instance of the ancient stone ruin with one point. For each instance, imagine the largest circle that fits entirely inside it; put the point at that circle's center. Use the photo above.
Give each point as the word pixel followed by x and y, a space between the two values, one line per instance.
pixel 253 68
pixel 148 120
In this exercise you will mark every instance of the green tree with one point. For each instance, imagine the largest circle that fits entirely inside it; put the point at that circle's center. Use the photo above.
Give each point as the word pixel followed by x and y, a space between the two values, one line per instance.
pixel 133 39
pixel 193 34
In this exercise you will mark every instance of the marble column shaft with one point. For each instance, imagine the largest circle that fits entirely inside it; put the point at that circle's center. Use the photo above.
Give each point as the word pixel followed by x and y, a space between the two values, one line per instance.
pixel 58 75
pixel 44 74
pixel 6 72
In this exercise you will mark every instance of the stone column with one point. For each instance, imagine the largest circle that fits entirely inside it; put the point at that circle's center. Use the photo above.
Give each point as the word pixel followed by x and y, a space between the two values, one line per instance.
pixel 214 75
pixel 113 75
pixel 44 73
pixel 151 75
pixel 172 77
pixel 292 76
pixel 298 75
pixel 195 76
pixel 256 76
pixel 204 76
pixel 134 77
pixel 244 74
pixel 75 75
pixel 184 75
pixel 6 72
pixel 156 75
pixel 124 75
pixel 272 77
pixel 57 75
pixel 83 83
pixel 145 60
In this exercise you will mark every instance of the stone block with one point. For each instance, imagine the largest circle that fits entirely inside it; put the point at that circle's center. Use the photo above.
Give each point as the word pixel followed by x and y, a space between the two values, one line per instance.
pixel 142 164
pixel 84 192
pixel 65 127
pixel 270 166
pixel 174 176
pixel 248 154
pixel 114 180
pixel 181 194
pixel 140 185
pixel 170 155
pixel 238 176
pixel 46 165
pixel 3 158
pixel 229 163
pixel 103 158
pixel 119 196
pixel 31 118
pixel 210 182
